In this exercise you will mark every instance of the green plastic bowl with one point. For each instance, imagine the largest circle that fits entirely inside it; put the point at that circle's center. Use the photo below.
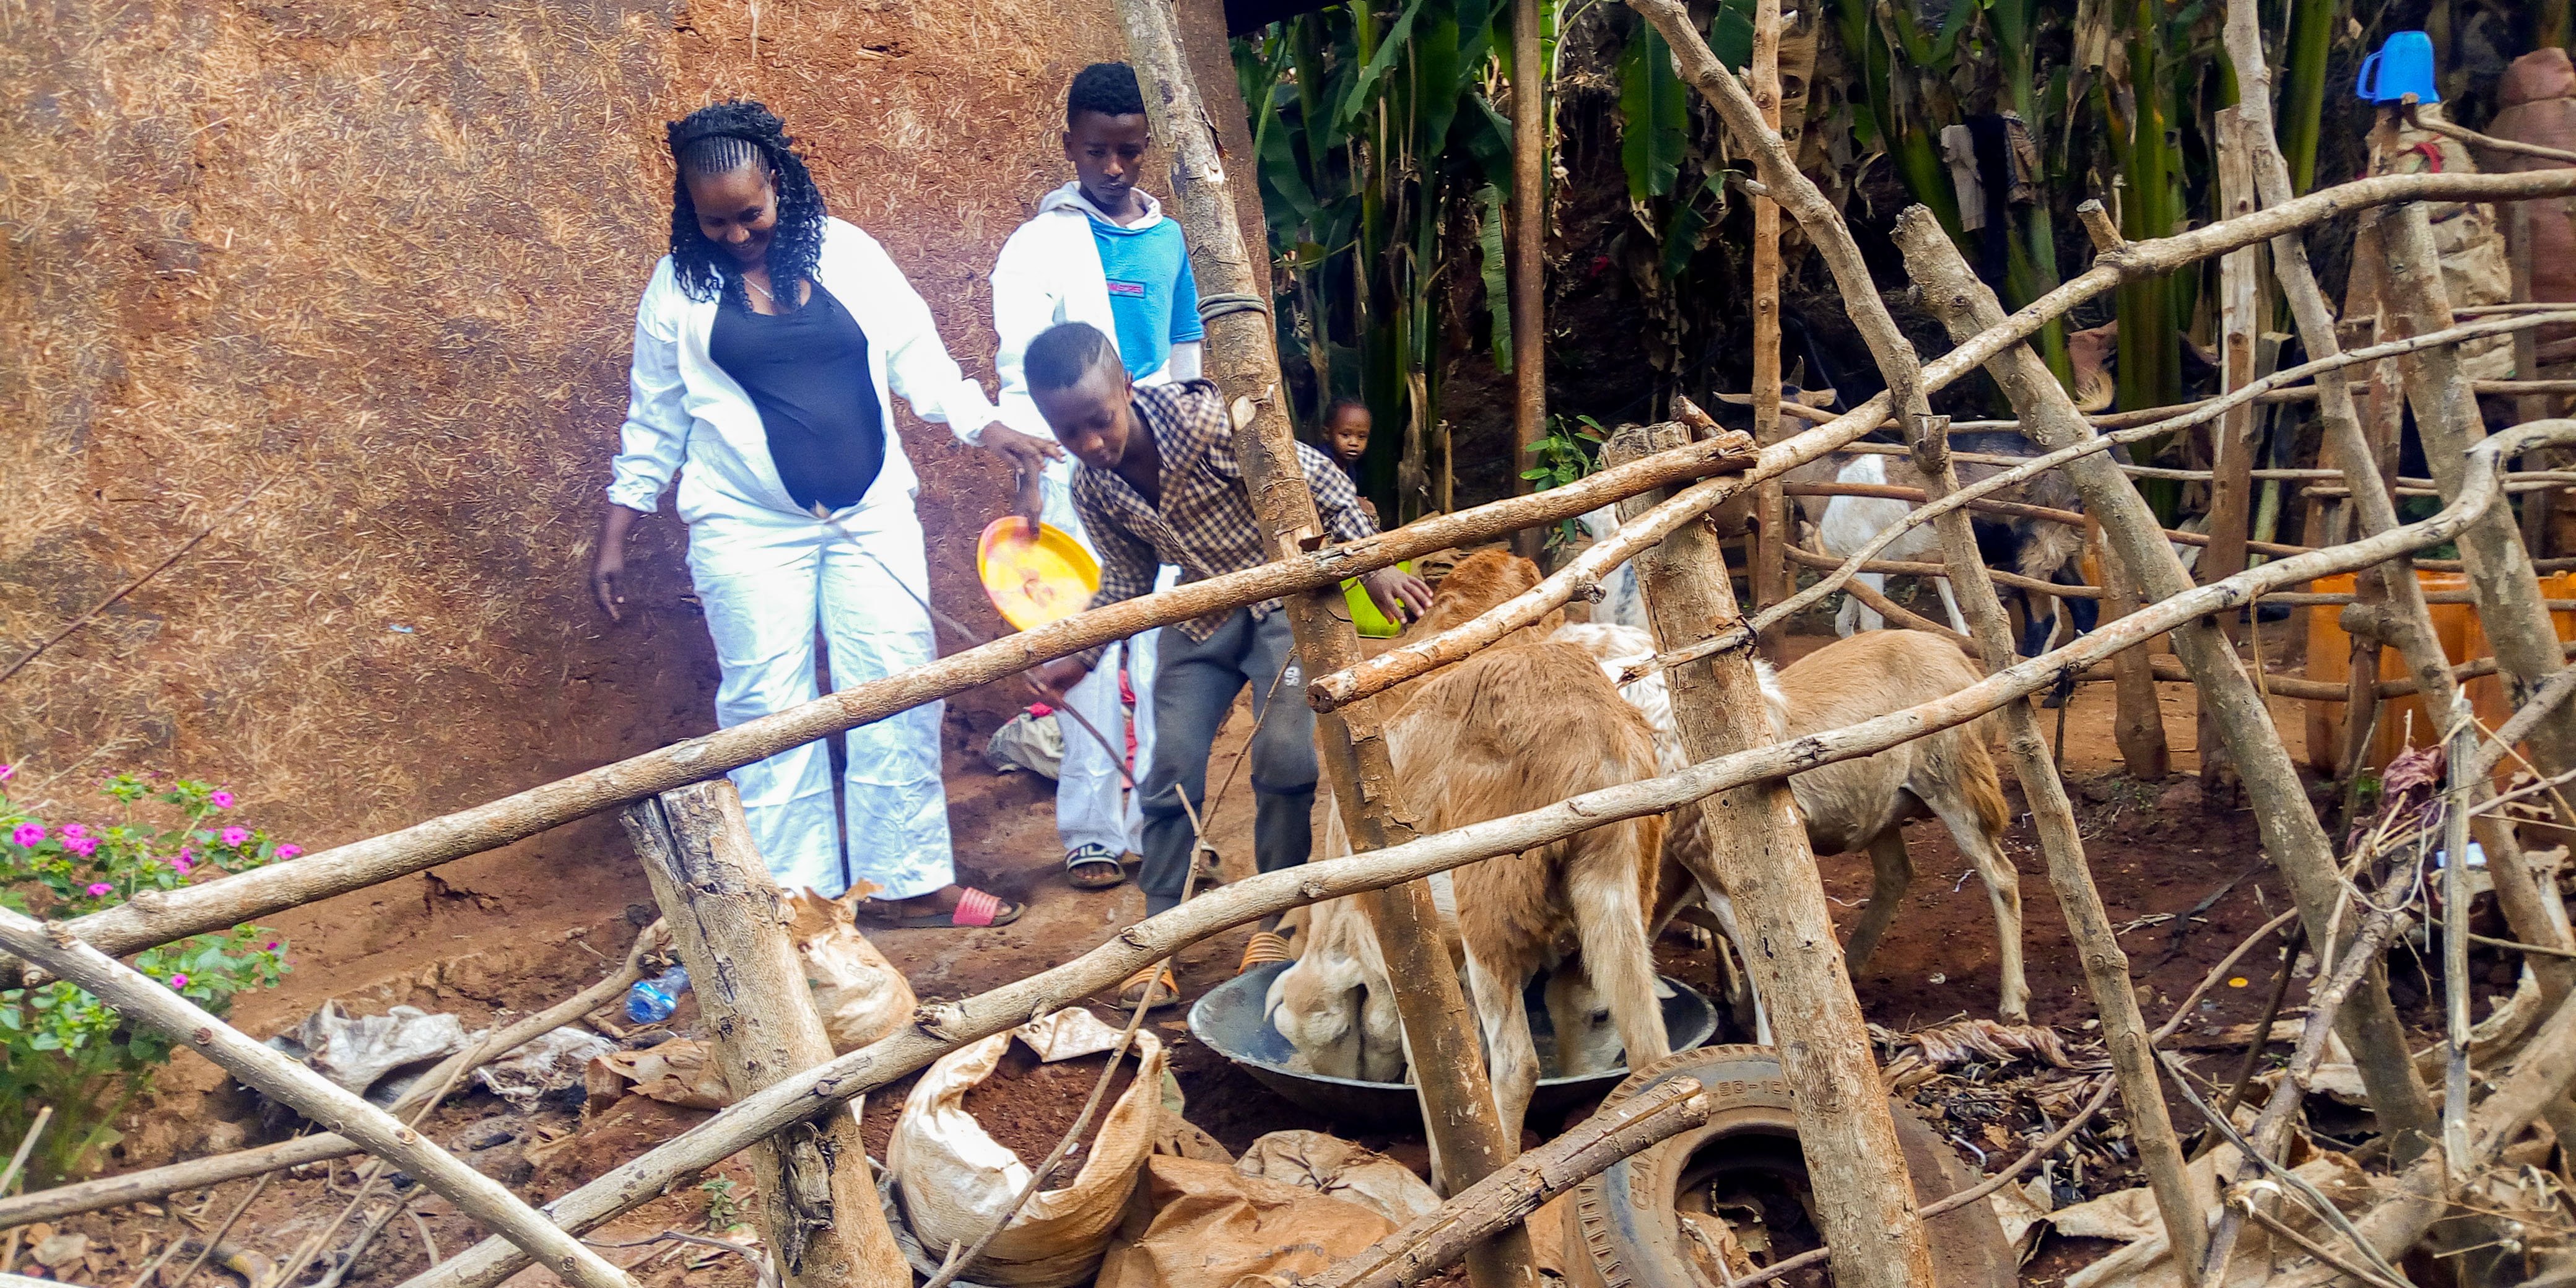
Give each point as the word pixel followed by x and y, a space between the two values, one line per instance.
pixel 1364 614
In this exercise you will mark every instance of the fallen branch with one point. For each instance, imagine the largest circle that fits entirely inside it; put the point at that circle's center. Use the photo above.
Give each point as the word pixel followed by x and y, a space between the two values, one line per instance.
pixel 204 1173
pixel 1430 1242
pixel 937 1030
pixel 159 916
pixel 141 1000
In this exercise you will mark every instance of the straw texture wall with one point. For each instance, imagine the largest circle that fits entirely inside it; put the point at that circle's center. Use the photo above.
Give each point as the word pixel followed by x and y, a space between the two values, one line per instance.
pixel 377 263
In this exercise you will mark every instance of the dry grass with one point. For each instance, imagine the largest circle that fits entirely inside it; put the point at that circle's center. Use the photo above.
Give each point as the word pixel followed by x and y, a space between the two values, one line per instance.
pixel 383 259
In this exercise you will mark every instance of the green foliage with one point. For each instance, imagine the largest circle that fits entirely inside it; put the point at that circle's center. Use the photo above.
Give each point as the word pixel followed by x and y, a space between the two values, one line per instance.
pixel 60 1046
pixel 724 1211
pixel 1654 115
pixel 1498 293
pixel 1571 449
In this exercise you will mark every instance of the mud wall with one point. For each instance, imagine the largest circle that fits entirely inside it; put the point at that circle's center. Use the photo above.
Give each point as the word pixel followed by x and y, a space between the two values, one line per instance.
pixel 373 266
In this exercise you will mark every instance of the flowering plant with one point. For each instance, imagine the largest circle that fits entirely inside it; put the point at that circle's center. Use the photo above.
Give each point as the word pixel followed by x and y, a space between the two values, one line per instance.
pixel 59 1046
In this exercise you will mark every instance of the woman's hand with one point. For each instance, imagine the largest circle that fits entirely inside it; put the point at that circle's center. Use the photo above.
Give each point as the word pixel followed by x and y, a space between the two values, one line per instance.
pixel 1029 455
pixel 1048 680
pixel 608 563
pixel 1400 595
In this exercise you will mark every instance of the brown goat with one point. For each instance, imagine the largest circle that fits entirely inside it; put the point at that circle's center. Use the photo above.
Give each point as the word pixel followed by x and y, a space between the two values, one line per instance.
pixel 1517 726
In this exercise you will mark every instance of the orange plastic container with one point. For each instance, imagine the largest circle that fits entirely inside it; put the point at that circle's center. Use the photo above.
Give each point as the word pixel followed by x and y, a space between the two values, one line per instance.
pixel 2402 721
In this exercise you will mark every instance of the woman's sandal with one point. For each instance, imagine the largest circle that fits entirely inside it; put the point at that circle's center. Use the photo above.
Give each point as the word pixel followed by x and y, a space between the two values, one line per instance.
pixel 975 909
pixel 1158 977
pixel 1264 948
pixel 1093 867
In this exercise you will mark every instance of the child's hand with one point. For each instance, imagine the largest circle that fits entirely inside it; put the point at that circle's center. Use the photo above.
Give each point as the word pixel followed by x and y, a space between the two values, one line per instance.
pixel 1047 681
pixel 1028 455
pixel 1400 595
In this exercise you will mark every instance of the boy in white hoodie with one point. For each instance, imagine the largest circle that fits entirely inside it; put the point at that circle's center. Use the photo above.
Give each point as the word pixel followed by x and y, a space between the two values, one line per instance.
pixel 1098 251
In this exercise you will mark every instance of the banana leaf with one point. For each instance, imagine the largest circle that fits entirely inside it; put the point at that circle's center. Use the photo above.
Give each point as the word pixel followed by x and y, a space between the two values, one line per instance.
pixel 1654 116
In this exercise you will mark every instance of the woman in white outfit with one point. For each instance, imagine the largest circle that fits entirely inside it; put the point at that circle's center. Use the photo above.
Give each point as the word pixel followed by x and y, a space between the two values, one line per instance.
pixel 767 348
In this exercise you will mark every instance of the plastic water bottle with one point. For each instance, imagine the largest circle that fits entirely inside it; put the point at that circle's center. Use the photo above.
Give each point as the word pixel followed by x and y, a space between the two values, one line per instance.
pixel 652 1001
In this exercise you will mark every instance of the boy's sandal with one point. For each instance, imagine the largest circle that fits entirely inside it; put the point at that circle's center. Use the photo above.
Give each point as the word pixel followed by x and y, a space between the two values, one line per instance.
pixel 1093 867
pixel 1157 978
pixel 975 909
pixel 1264 948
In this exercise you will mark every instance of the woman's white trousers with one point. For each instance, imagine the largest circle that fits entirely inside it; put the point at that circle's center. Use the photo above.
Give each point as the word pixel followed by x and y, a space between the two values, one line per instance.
pixel 767 579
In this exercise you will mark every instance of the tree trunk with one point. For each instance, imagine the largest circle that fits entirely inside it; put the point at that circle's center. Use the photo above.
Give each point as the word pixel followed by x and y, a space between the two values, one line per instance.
pixel 818 1205
pixel 1527 262
pixel 1758 852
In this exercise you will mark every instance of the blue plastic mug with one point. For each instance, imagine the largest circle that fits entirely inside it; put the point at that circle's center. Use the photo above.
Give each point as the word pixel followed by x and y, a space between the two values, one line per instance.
pixel 2403 66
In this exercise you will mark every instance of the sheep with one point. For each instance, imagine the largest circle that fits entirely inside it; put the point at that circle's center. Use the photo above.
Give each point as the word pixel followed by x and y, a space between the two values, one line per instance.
pixel 1848 523
pixel 1462 748
pixel 1855 804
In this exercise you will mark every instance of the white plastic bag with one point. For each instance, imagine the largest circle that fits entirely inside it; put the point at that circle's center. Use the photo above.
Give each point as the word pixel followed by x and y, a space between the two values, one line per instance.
pixel 358 1051
pixel 954 1178
pixel 859 994
pixel 550 1062
pixel 1027 742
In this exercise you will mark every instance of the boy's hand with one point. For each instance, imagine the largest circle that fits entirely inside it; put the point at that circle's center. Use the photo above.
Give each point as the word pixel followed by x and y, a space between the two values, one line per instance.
pixel 1028 455
pixel 1048 680
pixel 1400 595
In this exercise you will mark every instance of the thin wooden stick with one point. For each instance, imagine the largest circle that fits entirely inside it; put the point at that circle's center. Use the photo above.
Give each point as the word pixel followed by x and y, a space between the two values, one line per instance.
pixel 26 1146
pixel 1430 1242
pixel 1773 533
pixel 939 1029
pixel 216 1239
pixel 132 586
pixel 1527 263
pixel 2061 843
pixel 142 1001
pixel 206 1173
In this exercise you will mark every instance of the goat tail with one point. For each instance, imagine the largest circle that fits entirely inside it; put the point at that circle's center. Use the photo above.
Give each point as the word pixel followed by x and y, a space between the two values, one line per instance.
pixel 1983 787
pixel 1610 922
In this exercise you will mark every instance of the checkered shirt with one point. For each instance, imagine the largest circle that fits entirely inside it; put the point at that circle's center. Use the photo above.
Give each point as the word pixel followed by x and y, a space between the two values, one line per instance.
pixel 1205 524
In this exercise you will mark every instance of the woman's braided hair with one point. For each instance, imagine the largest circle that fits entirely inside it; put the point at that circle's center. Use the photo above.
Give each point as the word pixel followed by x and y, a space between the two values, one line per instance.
pixel 720 139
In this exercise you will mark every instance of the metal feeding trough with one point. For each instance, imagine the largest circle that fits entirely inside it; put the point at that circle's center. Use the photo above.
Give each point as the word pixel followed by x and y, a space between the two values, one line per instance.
pixel 1229 1021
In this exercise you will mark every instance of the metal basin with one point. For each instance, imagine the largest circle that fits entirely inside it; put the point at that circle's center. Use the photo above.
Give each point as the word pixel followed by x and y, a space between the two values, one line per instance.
pixel 1230 1022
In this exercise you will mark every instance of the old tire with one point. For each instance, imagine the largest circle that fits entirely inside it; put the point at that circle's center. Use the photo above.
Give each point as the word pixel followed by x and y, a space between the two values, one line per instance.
pixel 1625 1232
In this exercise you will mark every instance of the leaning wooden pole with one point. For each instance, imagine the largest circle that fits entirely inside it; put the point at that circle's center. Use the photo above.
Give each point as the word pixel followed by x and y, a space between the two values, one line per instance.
pixel 1773 529
pixel 1527 262
pixel 940 1029
pixel 2061 843
pixel 2290 831
pixel 1458 1103
pixel 144 1001
pixel 1759 858
pixel 818 1205
pixel 2510 610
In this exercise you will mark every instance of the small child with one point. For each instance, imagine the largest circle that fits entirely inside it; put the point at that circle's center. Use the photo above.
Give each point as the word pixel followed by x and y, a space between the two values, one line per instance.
pixel 1346 436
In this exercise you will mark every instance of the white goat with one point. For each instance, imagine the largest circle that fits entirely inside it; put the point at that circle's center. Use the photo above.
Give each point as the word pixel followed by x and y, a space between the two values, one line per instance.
pixel 1850 522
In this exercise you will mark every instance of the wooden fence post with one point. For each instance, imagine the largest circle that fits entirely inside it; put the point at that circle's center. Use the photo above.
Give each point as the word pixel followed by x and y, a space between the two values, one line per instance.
pixel 1527 262
pixel 1774 528
pixel 1458 1103
pixel 2290 830
pixel 818 1205
pixel 1760 859
pixel 2231 486
pixel 2061 842
pixel 2138 721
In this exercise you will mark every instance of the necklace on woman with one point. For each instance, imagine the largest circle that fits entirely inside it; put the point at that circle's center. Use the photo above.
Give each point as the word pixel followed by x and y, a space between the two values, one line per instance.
pixel 764 291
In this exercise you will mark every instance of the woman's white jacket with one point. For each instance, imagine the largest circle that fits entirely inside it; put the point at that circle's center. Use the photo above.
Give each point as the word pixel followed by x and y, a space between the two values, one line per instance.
pixel 684 411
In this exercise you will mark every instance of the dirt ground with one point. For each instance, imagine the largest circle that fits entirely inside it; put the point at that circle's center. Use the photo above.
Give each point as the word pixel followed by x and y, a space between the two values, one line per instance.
pixel 2185 883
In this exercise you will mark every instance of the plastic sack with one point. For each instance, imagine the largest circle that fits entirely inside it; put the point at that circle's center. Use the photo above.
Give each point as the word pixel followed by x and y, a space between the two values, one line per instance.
pixel 358 1051
pixel 954 1178
pixel 678 1072
pixel 1205 1225
pixel 1027 742
pixel 548 1063
pixel 1336 1168
pixel 859 994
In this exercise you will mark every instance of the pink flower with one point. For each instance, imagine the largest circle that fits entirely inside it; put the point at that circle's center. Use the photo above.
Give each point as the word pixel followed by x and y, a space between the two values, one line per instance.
pixel 8 772
pixel 222 800
pixel 236 835
pixel 84 846
pixel 74 831
pixel 100 889
pixel 178 981
pixel 180 863
pixel 289 851
pixel 272 945
pixel 28 833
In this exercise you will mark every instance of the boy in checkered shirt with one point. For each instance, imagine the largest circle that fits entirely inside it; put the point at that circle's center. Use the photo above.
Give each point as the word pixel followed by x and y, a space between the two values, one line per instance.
pixel 1160 483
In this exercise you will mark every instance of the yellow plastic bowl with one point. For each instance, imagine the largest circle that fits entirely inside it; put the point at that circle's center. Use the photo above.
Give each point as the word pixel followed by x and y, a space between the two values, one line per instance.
pixel 1034 582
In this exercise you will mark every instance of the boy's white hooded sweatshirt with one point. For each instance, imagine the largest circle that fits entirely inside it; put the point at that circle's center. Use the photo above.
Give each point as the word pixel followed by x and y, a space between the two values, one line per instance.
pixel 1049 274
